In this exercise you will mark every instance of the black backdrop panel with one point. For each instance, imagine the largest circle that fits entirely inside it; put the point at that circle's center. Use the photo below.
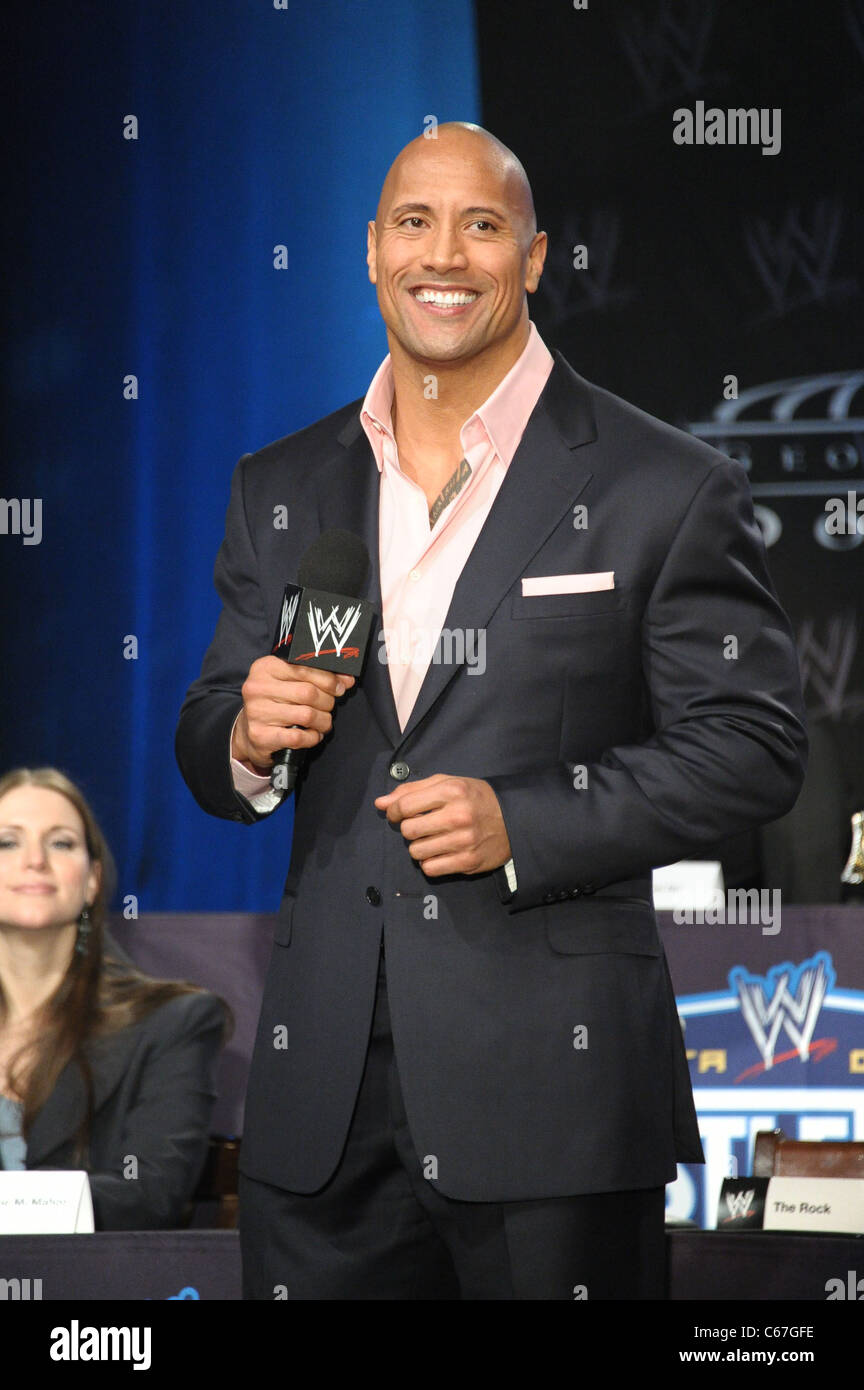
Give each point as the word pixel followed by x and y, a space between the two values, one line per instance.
pixel 710 261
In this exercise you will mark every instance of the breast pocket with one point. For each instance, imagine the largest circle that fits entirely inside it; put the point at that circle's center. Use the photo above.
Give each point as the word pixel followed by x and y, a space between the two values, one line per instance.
pixel 587 929
pixel 590 605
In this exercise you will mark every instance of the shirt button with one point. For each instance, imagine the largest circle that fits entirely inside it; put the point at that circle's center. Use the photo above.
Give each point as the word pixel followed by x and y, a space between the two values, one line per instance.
pixel 414 576
pixel 574 892
pixel 548 897
pixel 399 771
pixel 588 888
pixel 373 897
pixel 562 895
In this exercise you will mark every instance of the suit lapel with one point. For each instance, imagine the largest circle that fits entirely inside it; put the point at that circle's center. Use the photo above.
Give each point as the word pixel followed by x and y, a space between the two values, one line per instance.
pixel 348 498
pixel 540 486
pixel 60 1117
pixel 542 483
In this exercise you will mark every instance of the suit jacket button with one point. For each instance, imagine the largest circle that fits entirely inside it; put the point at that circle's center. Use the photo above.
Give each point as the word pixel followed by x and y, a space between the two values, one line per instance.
pixel 373 897
pixel 399 771
pixel 588 888
pixel 548 897
pixel 562 895
pixel 574 892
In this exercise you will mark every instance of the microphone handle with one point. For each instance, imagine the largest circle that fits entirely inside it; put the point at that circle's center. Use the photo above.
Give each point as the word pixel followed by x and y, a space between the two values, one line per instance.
pixel 291 760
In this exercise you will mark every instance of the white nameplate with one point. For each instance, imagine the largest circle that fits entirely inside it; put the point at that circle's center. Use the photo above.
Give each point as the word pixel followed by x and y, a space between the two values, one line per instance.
pixel 815 1204
pixel 691 884
pixel 45 1202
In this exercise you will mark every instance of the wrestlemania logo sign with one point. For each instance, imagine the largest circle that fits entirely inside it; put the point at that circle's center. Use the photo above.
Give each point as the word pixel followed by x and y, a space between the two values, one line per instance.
pixel 780 1050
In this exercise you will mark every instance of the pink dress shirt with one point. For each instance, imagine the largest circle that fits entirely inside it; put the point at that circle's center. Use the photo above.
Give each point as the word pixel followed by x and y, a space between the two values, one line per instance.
pixel 419 566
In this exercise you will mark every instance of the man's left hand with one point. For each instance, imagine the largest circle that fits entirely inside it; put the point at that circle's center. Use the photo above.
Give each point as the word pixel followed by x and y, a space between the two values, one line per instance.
pixel 453 825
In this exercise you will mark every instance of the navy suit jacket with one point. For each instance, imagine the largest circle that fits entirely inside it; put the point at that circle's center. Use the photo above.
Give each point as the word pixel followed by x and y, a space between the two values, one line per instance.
pixel 536 1035
pixel 154 1091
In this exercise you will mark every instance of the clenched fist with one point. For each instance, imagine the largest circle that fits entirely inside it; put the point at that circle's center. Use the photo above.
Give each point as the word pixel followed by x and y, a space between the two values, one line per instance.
pixel 453 825
pixel 284 706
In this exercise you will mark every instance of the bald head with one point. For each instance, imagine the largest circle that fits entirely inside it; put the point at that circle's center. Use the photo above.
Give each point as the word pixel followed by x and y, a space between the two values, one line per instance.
pixel 454 252
pixel 464 144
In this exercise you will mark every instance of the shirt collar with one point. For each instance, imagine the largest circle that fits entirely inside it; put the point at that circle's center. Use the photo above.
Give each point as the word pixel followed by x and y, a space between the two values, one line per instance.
pixel 502 417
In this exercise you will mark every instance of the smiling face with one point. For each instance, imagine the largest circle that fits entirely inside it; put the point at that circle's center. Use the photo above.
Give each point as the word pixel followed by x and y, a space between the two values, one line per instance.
pixel 46 875
pixel 453 251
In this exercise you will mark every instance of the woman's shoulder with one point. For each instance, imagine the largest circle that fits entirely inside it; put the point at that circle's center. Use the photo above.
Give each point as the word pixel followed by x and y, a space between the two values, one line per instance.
pixel 177 1019
pixel 187 1012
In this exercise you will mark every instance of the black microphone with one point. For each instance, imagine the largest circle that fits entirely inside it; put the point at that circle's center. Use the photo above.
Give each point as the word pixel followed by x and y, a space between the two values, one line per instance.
pixel 322 624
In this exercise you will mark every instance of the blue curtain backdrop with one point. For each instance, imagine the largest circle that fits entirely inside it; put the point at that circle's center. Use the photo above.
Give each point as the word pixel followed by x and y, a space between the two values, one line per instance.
pixel 154 257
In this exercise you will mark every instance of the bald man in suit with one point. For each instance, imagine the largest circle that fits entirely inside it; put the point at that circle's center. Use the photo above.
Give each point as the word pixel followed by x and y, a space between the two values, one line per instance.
pixel 469 1079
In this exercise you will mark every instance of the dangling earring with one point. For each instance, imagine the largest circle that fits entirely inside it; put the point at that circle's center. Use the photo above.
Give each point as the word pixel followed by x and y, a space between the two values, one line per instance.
pixel 84 929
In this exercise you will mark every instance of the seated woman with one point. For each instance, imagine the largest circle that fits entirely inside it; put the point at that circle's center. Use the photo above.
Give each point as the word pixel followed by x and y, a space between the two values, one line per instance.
pixel 101 1067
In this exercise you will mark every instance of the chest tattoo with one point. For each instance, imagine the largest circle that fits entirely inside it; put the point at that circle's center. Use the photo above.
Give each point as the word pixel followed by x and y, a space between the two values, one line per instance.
pixel 450 489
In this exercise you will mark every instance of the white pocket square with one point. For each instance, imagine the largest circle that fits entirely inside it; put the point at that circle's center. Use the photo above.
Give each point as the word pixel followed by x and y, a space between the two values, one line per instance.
pixel 568 583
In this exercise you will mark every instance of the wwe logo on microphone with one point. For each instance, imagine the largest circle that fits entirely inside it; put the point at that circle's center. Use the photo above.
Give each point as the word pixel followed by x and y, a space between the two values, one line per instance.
pixel 335 627
pixel 315 626
pixel 290 604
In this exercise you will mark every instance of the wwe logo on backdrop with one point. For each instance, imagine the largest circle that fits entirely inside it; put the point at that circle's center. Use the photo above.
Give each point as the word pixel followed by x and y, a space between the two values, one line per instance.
pixel 739 1204
pixel 568 291
pixel 337 629
pixel 794 261
pixel 667 49
pixel 825 667
pixel 795 1013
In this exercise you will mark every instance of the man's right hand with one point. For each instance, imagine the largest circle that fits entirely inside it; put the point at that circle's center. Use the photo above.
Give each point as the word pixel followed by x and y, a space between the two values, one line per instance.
pixel 284 706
